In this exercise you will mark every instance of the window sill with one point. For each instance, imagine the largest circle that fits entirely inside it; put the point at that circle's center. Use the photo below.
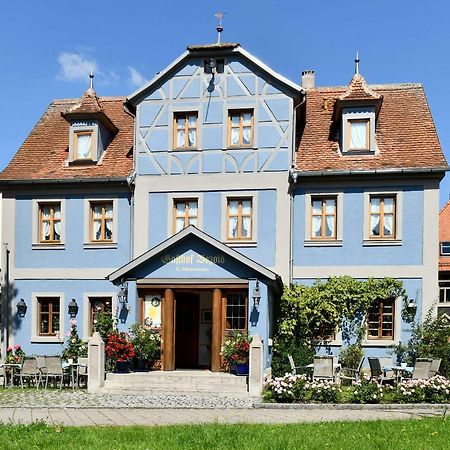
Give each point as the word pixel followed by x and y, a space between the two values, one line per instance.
pixel 99 245
pixel 45 246
pixel 47 339
pixel 242 147
pixel 379 342
pixel 381 242
pixel 358 153
pixel 241 243
pixel 323 243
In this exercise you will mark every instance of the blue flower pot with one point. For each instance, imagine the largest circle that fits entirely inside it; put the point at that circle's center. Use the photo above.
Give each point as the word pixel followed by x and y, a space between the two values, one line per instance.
pixel 241 369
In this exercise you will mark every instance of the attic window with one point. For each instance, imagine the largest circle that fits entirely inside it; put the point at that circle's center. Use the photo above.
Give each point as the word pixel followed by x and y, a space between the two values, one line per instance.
pixel 211 64
pixel 445 248
pixel 358 134
pixel 83 142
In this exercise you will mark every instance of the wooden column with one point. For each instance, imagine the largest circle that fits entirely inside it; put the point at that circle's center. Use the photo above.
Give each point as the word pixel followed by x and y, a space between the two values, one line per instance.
pixel 169 331
pixel 216 330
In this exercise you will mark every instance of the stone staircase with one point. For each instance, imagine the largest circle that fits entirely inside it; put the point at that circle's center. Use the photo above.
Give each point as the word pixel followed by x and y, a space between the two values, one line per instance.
pixel 177 382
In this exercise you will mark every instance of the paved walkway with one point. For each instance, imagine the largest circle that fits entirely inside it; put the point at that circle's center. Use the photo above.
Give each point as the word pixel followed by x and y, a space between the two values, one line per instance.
pixel 166 416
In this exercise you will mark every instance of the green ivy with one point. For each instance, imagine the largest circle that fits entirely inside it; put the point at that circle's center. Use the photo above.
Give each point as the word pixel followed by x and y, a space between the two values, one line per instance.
pixel 307 312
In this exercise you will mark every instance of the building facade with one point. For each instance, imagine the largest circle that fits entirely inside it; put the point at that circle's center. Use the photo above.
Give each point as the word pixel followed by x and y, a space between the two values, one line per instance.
pixel 200 194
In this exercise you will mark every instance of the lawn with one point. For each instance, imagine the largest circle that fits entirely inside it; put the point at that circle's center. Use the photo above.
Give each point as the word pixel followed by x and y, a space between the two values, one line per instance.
pixel 417 434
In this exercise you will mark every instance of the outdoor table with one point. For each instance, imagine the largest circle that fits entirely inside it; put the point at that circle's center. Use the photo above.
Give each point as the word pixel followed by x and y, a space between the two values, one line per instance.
pixel 10 367
pixel 399 371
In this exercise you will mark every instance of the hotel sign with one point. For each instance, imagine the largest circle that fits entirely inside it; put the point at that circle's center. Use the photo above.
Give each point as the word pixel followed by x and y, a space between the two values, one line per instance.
pixel 193 263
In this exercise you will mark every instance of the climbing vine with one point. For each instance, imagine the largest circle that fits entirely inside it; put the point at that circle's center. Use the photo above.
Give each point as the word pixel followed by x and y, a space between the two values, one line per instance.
pixel 308 313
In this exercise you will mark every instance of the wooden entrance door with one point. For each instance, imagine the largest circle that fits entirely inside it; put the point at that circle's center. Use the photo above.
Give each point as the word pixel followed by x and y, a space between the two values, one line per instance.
pixel 186 329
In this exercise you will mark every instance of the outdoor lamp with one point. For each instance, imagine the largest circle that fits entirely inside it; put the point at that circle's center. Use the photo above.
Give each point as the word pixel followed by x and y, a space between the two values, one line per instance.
pixel 256 295
pixel 21 308
pixel 412 304
pixel 73 308
pixel 122 296
pixel 212 64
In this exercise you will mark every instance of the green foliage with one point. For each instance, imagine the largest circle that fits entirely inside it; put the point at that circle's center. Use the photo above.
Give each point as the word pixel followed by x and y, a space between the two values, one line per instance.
pixel 147 342
pixel 105 324
pixel 307 313
pixel 366 391
pixel 75 346
pixel 429 339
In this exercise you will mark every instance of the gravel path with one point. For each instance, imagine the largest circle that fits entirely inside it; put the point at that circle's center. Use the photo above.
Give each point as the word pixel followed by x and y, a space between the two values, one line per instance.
pixel 32 398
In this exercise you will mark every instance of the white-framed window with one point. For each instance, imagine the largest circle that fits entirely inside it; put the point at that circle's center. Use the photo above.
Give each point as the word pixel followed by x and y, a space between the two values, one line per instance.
pixel 100 223
pixel 383 221
pixel 445 248
pixel 324 219
pixel 94 304
pixel 47 317
pixel 358 131
pixel 83 145
pixel 239 218
pixel 50 222
pixel 185 130
pixel 240 128
pixel 185 213
pixel 381 320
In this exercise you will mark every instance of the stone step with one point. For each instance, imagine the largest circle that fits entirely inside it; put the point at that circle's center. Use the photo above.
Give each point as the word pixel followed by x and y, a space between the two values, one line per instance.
pixel 139 378
pixel 162 393
pixel 187 387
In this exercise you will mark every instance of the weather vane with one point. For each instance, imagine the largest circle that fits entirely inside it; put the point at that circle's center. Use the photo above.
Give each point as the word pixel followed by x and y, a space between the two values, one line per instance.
pixel 219 28
pixel 357 64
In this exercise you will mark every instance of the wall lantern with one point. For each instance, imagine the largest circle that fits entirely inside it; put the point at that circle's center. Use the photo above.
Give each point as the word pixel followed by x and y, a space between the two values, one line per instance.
pixel 122 296
pixel 21 308
pixel 256 295
pixel 412 305
pixel 73 308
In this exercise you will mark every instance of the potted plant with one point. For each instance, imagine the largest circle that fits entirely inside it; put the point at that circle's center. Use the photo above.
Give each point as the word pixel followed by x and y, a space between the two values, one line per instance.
pixel 14 354
pixel 235 351
pixel 147 346
pixel 120 350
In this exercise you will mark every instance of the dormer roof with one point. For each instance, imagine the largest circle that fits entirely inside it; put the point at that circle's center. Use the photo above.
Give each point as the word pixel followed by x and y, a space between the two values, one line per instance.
pixel 405 133
pixel 89 107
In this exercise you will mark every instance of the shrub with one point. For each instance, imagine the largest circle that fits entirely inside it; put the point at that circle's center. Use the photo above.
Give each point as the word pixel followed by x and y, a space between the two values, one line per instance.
pixel 434 390
pixel 286 389
pixel 301 353
pixel 323 391
pixel 366 391
pixel 75 346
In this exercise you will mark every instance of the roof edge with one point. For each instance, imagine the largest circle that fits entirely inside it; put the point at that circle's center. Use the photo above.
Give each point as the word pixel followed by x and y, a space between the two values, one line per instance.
pixel 63 181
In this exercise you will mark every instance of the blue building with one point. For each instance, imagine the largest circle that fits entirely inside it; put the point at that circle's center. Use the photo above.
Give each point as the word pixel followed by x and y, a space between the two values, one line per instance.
pixel 200 194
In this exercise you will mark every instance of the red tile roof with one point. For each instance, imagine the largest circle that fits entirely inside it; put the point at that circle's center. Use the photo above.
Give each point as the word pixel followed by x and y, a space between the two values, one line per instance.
pixel 45 152
pixel 358 89
pixel 444 235
pixel 405 133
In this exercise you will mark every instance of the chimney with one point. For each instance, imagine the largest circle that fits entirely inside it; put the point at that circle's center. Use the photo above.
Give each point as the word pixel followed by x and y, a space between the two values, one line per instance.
pixel 308 79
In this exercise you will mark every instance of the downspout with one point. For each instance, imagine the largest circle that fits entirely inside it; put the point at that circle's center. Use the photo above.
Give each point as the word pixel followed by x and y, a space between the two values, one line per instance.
pixel 293 179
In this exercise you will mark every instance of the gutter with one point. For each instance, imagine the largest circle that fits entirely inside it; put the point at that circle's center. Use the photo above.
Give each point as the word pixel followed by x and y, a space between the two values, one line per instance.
pixel 122 180
pixel 301 173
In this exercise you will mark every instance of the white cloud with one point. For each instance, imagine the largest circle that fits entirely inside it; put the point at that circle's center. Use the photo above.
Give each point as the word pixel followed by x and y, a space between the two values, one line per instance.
pixel 136 78
pixel 75 67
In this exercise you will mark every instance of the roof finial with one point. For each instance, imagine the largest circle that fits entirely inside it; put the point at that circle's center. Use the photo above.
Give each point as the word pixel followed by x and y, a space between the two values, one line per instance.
pixel 219 28
pixel 357 64
pixel 91 80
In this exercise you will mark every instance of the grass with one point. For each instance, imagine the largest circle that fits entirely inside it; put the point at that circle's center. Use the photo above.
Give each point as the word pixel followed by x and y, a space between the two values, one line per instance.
pixel 406 434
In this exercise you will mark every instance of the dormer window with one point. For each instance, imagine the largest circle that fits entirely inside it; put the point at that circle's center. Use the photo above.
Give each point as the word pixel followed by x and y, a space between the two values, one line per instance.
pixel 358 134
pixel 83 144
pixel 358 130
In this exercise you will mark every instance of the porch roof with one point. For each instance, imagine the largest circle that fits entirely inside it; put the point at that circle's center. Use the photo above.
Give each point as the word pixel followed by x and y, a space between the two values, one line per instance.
pixel 126 271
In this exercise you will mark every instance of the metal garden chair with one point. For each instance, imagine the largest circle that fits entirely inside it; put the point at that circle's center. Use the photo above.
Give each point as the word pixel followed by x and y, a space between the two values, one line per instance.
pixel 422 369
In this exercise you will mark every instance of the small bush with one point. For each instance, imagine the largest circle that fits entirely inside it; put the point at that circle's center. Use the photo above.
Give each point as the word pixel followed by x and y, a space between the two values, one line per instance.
pixel 322 391
pixel 366 391
pixel 434 390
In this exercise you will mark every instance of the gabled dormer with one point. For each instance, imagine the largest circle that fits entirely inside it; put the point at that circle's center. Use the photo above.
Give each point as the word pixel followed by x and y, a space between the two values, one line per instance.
pixel 356 112
pixel 91 130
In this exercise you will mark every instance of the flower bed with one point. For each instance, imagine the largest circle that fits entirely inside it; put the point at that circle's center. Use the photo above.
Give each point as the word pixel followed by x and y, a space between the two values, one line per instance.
pixel 298 389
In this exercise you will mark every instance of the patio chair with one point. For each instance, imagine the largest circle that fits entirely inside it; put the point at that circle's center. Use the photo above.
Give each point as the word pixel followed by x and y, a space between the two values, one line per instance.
pixel 347 373
pixel 323 368
pixel 54 370
pixel 435 366
pixel 422 369
pixel 82 370
pixel 3 376
pixel 378 374
pixel 29 371
pixel 292 364
pixel 42 369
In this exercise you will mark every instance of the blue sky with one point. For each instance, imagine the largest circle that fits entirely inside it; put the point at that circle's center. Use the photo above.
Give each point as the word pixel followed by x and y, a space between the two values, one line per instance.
pixel 47 48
